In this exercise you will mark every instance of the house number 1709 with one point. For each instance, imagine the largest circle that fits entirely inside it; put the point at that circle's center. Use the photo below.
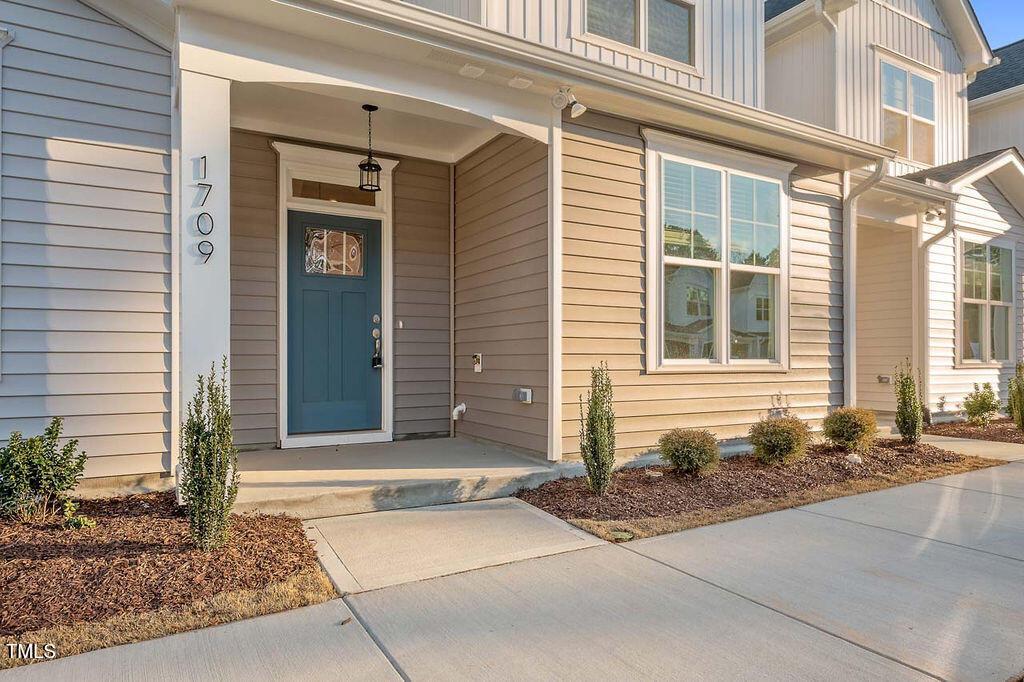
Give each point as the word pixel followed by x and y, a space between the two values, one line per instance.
pixel 204 221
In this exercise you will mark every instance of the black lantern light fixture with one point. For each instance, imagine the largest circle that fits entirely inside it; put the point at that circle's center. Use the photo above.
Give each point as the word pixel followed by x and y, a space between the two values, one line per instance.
pixel 369 169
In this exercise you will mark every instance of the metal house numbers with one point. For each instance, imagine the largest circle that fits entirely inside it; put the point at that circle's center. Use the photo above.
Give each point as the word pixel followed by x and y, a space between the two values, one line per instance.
pixel 204 221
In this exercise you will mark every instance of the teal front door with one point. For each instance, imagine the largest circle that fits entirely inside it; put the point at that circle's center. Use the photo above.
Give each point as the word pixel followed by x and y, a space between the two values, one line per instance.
pixel 334 315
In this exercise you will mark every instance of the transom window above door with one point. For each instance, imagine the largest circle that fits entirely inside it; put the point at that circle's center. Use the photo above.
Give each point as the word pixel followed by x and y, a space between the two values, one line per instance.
pixel 908 113
pixel 986 303
pixel 666 28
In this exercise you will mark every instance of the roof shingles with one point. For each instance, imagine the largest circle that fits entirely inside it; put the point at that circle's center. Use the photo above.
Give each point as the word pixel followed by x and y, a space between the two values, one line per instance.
pixel 1009 73
pixel 951 171
pixel 773 8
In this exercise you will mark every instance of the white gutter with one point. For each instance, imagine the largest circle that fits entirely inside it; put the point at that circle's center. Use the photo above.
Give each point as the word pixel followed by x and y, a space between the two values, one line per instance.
pixel 925 350
pixel 849 279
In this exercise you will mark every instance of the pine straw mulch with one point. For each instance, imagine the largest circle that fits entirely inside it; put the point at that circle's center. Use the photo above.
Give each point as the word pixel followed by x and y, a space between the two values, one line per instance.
pixel 136 575
pixel 999 430
pixel 639 504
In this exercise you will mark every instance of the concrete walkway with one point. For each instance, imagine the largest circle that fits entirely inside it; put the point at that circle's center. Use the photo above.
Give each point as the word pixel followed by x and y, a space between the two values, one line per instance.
pixel 919 582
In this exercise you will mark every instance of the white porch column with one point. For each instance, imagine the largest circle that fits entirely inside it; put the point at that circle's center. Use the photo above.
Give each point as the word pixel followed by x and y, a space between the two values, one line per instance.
pixel 204 235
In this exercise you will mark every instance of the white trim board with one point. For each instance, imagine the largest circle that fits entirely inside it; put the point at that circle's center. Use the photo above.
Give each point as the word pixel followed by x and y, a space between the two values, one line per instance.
pixel 328 165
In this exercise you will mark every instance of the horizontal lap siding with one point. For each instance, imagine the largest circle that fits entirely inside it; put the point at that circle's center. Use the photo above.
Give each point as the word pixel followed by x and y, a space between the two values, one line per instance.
pixel 603 301
pixel 884 311
pixel 86 284
pixel 421 273
pixel 982 213
pixel 253 290
pixel 501 291
pixel 422 224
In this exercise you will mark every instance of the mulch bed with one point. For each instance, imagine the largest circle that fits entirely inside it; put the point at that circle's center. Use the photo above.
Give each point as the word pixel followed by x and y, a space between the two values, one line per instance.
pixel 737 482
pixel 1000 430
pixel 137 559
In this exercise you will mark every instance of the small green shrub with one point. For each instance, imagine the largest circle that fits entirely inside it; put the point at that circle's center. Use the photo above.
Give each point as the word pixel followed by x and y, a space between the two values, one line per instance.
pixel 981 405
pixel 36 476
pixel 780 440
pixel 1015 400
pixel 689 450
pixel 851 428
pixel 597 431
pixel 209 461
pixel 909 415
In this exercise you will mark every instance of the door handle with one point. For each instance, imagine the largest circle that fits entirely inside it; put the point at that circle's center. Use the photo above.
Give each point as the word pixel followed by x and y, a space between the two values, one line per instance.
pixel 377 360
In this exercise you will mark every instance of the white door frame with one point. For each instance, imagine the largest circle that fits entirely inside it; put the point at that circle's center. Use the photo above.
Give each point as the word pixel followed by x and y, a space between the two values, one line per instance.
pixel 328 165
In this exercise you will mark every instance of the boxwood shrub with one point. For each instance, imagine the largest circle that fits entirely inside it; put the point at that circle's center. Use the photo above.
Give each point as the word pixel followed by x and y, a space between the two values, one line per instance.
pixel 689 450
pixel 852 429
pixel 780 440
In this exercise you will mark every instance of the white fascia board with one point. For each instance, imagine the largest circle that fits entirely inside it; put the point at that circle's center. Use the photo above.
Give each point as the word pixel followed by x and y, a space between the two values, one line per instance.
pixel 152 19
pixel 967 34
pixel 684 108
pixel 1016 93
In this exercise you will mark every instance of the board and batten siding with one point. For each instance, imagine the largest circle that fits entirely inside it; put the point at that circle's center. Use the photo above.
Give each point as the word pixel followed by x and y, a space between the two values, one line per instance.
pixel 603 301
pixel 501 274
pixel 800 76
pixel 982 213
pixel 730 40
pixel 885 315
pixel 420 224
pixel 998 126
pixel 86 273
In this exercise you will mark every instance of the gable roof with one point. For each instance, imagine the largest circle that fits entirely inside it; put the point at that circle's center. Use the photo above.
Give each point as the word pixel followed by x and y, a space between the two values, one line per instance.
pixel 1008 74
pixel 950 172
pixel 773 8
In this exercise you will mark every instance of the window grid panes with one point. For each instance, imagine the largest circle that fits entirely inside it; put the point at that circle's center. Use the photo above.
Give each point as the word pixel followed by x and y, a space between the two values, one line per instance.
pixel 711 299
pixel 662 27
pixel 987 303
pixel 908 114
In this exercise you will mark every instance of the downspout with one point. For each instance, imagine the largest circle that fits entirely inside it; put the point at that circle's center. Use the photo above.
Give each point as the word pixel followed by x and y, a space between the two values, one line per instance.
pixel 849 281
pixel 925 350
pixel 451 299
pixel 822 15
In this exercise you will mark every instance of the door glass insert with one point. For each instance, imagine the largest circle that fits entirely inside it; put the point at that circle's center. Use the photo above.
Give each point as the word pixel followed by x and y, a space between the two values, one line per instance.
pixel 333 252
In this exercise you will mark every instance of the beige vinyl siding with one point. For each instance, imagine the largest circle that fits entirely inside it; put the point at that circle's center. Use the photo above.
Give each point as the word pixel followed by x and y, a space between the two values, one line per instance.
pixel 86 285
pixel 501 214
pixel 421 275
pixel 885 315
pixel 982 213
pixel 998 127
pixel 811 96
pixel 422 224
pixel 603 301
pixel 253 289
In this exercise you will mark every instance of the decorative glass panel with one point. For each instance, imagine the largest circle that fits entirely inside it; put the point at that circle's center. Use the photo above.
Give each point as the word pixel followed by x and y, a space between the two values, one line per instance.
pixel 614 19
pixel 1000 332
pixel 974 271
pixel 334 252
pixel 924 142
pixel 894 87
pixel 689 313
pixel 894 131
pixel 1001 275
pixel 670 29
pixel 924 97
pixel 326 191
pixel 971 331
pixel 752 316
pixel 754 207
pixel 692 200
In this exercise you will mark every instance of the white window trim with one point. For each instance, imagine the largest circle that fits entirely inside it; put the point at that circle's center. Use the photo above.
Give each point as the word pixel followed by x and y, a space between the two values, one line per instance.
pixel 660 146
pixel 958 314
pixel 912 68
pixel 696 69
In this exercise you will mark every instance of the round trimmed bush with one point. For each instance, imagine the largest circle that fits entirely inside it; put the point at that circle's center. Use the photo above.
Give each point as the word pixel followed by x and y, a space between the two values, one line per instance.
pixel 780 440
pixel 851 428
pixel 689 450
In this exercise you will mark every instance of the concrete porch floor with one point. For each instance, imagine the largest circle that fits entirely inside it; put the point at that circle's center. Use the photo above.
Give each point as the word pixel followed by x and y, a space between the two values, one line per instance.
pixel 351 479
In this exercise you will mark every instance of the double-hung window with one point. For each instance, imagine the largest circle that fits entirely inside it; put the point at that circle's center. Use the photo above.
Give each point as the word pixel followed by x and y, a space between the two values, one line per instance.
pixel 908 114
pixel 717 257
pixel 662 27
pixel 986 302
